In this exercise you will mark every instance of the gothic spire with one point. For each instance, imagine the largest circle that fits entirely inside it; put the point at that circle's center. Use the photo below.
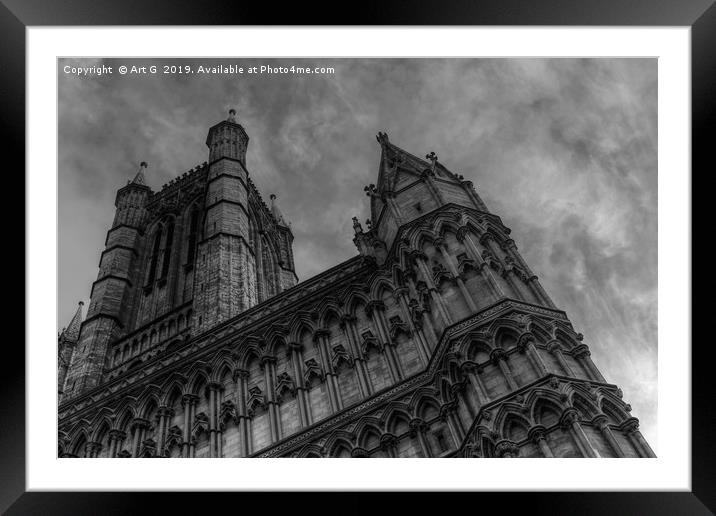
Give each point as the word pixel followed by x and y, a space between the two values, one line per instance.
pixel 72 332
pixel 139 178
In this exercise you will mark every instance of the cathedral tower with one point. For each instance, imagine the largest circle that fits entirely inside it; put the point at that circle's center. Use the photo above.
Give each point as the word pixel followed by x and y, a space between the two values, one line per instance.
pixel 177 261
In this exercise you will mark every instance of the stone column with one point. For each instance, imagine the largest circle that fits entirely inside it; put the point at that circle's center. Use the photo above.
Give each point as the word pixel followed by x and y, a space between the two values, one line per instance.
pixel 92 449
pixel 420 258
pixel 164 413
pixel 458 391
pixel 472 371
pixel 268 363
pixel 417 429
pixel 348 326
pixel 188 401
pixel 375 310
pixel 139 425
pixel 447 414
pixel 526 345
pixel 440 244
pixel 431 335
pixel 582 354
pixel 421 344
pixel 570 423
pixel 321 337
pixel 555 348
pixel 304 414
pixel 499 358
pixel 241 377
pixel 536 434
pixel 487 240
pixel 261 290
pixel 115 441
pixel 215 389
pixel 485 271
pixel 631 428
pixel 602 422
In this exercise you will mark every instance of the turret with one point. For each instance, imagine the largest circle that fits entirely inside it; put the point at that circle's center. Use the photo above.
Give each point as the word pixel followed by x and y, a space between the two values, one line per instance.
pixel 225 280
pixel 227 139
pixel 131 200
pixel 112 293
pixel 66 342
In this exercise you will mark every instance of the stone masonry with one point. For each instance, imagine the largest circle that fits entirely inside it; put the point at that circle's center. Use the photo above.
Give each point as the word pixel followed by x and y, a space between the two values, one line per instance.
pixel 436 340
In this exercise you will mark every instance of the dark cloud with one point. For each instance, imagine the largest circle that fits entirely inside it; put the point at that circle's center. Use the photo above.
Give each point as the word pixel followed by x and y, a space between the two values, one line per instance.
pixel 564 150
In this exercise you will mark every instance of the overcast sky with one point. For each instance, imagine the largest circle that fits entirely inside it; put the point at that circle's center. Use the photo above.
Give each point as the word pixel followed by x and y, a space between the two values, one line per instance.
pixel 563 150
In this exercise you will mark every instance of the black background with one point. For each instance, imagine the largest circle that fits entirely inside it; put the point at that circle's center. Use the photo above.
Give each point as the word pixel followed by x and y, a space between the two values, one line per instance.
pixel 16 15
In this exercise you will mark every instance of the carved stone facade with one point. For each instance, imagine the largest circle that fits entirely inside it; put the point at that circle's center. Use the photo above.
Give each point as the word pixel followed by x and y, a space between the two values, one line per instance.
pixel 437 340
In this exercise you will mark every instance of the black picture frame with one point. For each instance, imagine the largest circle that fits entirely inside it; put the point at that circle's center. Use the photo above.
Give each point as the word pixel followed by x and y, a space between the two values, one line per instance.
pixel 17 15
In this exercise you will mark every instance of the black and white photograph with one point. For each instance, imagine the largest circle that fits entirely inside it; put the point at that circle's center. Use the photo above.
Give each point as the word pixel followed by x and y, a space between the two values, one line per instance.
pixel 357 257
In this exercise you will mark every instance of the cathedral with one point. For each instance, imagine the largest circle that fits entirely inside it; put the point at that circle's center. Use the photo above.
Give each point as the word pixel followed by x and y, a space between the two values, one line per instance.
pixel 435 340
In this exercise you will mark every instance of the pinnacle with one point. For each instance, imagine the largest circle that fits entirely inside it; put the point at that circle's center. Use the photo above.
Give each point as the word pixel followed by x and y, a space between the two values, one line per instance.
pixel 139 178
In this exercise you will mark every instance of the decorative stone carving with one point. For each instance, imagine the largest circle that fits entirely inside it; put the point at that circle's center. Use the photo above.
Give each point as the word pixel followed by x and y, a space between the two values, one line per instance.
pixel 341 356
pixel 201 424
pixel 313 371
pixel 256 401
pixel 227 413
pixel 507 449
pixel 397 326
pixel 284 386
pixel 369 341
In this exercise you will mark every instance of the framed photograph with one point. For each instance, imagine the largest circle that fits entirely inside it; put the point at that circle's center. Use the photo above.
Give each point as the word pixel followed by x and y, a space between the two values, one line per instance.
pixel 434 246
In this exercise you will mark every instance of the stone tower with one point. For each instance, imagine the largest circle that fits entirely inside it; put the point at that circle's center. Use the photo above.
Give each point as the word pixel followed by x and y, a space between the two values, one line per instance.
pixel 109 311
pixel 66 342
pixel 435 340
pixel 178 261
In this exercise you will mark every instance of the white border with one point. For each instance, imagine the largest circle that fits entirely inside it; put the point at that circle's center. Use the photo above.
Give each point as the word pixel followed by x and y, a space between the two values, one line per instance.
pixel 670 471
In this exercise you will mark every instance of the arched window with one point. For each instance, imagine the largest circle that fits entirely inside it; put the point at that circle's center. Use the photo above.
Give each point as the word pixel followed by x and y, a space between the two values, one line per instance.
pixel 167 249
pixel 193 227
pixel 155 256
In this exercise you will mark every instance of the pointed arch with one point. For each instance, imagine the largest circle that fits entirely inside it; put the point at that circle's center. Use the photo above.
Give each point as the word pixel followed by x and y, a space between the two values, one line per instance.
pixel 248 351
pixel 329 314
pixel 613 410
pixel 150 397
pixel 173 392
pixel 545 408
pixel 124 418
pixel 444 224
pixel 79 443
pixel 102 424
pixel 397 419
pixel 368 432
pixel 427 407
pixel 198 378
pixel 379 285
pixel 300 325
pixel 154 256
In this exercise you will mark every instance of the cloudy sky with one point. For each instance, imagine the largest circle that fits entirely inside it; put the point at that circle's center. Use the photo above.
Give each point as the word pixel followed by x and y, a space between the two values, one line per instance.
pixel 563 150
